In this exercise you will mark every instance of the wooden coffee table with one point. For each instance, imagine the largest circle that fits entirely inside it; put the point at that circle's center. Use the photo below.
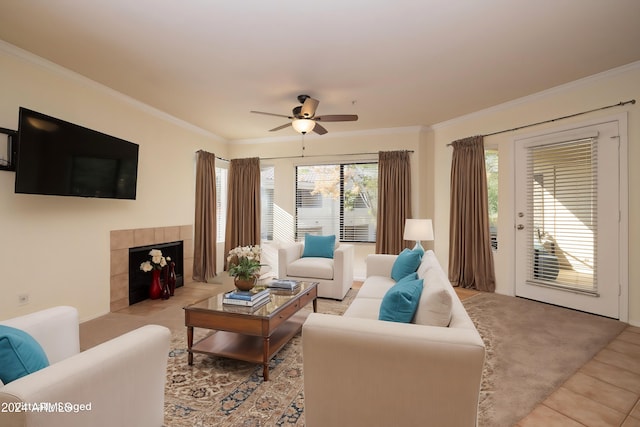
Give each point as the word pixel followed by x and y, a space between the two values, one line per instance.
pixel 245 334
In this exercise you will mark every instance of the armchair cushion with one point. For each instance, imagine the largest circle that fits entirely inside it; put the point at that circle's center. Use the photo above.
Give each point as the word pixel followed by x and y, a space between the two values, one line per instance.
pixel 406 263
pixel 20 354
pixel 399 304
pixel 312 268
pixel 318 246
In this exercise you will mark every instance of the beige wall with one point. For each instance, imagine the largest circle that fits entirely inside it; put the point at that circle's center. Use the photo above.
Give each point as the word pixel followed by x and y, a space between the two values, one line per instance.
pixel 608 88
pixel 329 148
pixel 56 249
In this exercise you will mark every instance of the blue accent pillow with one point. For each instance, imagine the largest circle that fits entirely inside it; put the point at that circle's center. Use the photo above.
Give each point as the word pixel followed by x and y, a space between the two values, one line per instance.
pixel 407 262
pixel 400 302
pixel 20 354
pixel 318 246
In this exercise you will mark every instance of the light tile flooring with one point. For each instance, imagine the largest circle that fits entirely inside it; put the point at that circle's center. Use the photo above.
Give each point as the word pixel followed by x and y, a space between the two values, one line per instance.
pixel 604 392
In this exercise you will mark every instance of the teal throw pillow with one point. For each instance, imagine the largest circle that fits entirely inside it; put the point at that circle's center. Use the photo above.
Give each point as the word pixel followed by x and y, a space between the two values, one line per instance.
pixel 407 262
pixel 318 246
pixel 400 302
pixel 20 354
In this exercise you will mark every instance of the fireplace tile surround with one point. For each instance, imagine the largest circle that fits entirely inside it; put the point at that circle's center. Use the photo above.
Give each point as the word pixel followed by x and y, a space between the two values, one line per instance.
pixel 122 240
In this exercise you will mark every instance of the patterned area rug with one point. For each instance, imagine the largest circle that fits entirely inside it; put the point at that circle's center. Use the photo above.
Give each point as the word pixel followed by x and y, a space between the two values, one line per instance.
pixel 217 391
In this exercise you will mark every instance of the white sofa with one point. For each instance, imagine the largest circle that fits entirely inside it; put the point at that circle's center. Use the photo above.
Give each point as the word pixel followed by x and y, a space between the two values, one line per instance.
pixel 334 275
pixel 361 371
pixel 122 380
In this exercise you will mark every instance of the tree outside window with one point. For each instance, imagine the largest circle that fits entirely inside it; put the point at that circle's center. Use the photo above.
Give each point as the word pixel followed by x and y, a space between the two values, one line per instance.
pixel 337 199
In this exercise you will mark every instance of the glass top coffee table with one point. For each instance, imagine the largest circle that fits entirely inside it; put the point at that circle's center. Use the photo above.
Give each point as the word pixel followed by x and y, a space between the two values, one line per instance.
pixel 243 333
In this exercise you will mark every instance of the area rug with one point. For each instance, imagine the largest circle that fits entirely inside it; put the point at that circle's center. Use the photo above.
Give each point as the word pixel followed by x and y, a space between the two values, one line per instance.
pixel 215 391
pixel 531 349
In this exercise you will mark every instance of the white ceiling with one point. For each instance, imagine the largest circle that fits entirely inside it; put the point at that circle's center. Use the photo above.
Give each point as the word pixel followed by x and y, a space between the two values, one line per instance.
pixel 394 63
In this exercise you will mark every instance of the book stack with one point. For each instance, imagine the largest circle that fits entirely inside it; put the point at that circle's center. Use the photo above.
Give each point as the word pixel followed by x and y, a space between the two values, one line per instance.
pixel 252 298
pixel 284 284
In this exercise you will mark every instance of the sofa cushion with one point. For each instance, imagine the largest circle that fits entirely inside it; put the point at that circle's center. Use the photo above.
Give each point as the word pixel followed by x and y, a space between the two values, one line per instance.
pixel 434 308
pixel 318 246
pixel 401 301
pixel 406 263
pixel 376 287
pixel 20 354
pixel 364 308
pixel 312 268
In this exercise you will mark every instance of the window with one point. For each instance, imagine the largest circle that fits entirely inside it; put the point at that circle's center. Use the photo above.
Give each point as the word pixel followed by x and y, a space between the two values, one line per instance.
pixel 266 202
pixel 337 199
pixel 491 165
pixel 221 203
pixel 306 199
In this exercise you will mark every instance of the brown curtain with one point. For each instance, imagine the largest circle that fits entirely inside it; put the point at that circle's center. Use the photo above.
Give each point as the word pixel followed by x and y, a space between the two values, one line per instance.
pixel 243 204
pixel 394 200
pixel 470 256
pixel 204 256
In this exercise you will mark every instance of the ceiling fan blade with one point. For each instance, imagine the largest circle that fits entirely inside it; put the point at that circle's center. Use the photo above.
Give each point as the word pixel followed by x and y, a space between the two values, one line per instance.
pixel 338 118
pixel 309 107
pixel 271 114
pixel 280 127
pixel 319 129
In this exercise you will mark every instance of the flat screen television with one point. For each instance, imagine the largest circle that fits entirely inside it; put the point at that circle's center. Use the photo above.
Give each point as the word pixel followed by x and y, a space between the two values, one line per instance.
pixel 56 157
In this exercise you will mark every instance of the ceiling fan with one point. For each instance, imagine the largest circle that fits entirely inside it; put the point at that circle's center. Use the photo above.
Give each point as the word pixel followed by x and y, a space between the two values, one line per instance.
pixel 304 119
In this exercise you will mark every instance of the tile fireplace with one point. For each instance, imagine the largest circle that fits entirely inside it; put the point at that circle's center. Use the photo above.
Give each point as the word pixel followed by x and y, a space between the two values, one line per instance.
pixel 122 240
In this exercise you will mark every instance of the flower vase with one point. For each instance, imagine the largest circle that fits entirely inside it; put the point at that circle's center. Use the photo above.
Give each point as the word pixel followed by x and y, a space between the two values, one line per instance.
pixel 155 290
pixel 172 278
pixel 165 290
pixel 244 284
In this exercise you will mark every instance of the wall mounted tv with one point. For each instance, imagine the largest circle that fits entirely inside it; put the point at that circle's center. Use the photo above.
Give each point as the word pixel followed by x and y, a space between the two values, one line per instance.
pixel 60 158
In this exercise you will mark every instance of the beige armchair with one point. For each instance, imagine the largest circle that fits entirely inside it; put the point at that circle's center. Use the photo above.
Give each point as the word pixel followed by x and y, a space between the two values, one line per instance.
pixel 117 383
pixel 335 275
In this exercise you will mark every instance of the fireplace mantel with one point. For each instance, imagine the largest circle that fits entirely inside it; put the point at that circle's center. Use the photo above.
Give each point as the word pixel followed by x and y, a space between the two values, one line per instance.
pixel 122 240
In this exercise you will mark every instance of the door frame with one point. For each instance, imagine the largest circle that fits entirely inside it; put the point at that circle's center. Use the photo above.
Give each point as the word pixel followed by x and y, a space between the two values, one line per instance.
pixel 623 182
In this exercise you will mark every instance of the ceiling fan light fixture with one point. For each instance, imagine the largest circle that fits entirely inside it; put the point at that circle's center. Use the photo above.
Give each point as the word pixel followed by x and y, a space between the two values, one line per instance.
pixel 303 125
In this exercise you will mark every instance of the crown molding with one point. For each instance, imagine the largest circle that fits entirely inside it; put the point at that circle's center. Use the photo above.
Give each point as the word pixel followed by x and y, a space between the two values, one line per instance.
pixel 539 95
pixel 333 135
pixel 54 68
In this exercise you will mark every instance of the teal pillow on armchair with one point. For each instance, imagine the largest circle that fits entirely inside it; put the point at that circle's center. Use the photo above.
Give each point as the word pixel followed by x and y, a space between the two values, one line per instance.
pixel 318 246
pixel 20 354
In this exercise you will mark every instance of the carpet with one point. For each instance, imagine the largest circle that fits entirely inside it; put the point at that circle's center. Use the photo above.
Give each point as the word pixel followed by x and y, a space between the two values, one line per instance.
pixel 531 349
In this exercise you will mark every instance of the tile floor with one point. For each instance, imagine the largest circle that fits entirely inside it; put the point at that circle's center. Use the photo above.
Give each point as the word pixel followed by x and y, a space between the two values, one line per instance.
pixel 604 392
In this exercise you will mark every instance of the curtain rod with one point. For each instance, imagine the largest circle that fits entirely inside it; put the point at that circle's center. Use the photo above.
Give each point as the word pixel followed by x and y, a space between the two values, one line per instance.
pixel 219 158
pixel 323 155
pixel 302 157
pixel 619 104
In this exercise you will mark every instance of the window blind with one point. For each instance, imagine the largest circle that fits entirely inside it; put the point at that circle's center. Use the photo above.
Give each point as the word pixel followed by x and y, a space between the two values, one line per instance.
pixel 562 214
pixel 221 203
pixel 338 199
pixel 267 185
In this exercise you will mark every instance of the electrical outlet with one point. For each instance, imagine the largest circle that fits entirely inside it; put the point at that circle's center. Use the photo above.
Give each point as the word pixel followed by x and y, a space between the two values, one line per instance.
pixel 23 299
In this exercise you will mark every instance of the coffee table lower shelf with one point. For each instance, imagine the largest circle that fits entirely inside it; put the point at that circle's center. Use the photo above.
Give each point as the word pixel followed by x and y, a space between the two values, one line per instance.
pixel 249 348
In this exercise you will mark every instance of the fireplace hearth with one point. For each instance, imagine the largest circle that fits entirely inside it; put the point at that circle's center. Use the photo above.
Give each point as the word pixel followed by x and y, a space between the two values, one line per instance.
pixel 139 281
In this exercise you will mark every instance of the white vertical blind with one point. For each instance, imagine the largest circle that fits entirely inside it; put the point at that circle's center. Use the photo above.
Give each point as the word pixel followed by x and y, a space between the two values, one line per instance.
pixel 562 214
pixel 267 185
pixel 221 203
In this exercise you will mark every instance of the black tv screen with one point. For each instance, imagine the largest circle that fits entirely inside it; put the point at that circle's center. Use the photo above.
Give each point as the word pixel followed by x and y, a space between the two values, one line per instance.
pixel 56 157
